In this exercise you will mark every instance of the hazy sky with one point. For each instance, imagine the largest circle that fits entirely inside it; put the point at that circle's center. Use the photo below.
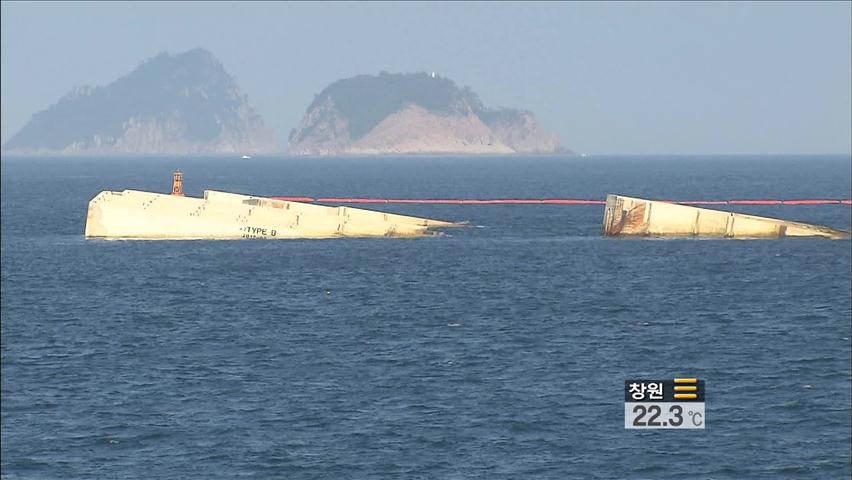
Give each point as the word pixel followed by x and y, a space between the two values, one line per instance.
pixel 607 77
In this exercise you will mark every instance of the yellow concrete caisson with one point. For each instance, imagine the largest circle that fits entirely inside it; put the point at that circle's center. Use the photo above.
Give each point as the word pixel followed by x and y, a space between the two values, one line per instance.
pixel 627 216
pixel 221 215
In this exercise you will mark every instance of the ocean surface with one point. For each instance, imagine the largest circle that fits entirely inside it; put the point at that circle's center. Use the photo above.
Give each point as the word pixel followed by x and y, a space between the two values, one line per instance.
pixel 498 351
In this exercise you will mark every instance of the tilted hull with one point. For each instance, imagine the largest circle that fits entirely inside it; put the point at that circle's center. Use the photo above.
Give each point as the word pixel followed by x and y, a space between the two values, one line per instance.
pixel 221 215
pixel 627 216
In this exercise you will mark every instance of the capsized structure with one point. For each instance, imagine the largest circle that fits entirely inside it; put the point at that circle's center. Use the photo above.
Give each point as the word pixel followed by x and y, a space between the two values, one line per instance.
pixel 628 216
pixel 136 214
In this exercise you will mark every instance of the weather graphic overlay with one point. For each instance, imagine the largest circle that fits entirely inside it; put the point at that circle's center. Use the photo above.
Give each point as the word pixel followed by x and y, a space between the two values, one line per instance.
pixel 674 403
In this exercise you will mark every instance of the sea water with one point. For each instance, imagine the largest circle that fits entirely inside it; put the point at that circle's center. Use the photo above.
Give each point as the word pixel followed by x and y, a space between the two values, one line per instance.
pixel 495 351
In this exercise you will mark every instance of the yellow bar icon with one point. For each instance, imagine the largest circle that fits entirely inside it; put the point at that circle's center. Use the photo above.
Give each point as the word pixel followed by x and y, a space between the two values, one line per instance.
pixel 686 396
pixel 686 380
pixel 685 388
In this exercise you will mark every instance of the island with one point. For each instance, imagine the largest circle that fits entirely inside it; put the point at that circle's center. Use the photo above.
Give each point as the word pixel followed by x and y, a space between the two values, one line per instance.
pixel 413 113
pixel 171 104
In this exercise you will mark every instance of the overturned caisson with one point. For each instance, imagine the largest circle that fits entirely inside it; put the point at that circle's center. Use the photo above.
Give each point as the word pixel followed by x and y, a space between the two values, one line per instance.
pixel 627 216
pixel 221 215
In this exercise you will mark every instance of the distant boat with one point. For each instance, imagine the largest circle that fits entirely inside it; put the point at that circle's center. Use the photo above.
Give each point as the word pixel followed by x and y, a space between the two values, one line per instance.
pixel 246 156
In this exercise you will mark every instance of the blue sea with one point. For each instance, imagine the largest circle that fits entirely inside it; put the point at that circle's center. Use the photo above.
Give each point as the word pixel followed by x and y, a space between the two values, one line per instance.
pixel 497 351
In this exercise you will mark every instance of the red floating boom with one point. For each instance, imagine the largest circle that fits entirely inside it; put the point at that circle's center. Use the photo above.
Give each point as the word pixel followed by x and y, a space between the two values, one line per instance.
pixel 555 201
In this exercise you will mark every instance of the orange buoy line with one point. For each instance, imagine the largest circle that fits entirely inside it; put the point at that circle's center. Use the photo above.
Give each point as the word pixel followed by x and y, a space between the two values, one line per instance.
pixel 556 201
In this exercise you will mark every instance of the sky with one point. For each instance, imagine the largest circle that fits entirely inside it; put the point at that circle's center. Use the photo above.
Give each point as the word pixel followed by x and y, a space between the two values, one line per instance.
pixel 608 78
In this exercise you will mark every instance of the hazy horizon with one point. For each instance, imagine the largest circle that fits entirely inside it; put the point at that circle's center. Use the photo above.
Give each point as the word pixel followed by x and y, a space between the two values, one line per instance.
pixel 614 78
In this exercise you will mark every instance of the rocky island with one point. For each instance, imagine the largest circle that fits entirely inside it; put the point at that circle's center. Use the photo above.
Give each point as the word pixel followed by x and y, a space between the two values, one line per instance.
pixel 413 113
pixel 171 104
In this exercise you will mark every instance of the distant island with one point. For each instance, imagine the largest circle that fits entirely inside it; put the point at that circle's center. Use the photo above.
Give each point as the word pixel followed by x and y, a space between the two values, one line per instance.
pixel 188 104
pixel 413 113
pixel 171 104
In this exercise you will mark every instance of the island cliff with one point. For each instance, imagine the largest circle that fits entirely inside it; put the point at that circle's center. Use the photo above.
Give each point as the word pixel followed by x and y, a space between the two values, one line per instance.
pixel 171 104
pixel 413 113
